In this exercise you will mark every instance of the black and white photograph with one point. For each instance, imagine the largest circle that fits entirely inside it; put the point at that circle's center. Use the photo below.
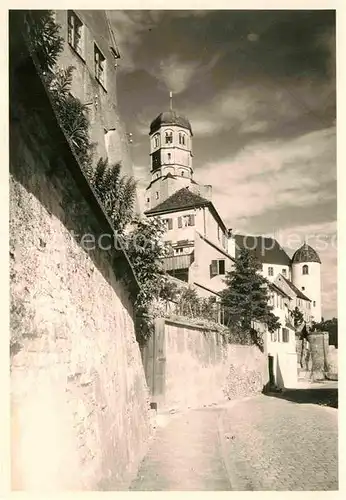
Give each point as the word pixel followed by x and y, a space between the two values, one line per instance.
pixel 173 250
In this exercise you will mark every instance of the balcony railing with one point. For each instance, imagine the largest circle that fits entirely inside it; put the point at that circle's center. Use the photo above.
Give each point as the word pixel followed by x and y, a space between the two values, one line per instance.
pixel 177 262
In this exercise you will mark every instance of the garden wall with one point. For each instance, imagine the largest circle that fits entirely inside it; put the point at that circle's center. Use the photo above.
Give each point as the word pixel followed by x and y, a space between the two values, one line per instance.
pixel 187 366
pixel 80 404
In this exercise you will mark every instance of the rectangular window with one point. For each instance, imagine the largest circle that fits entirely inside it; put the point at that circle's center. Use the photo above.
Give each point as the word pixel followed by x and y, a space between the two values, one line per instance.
pixel 100 66
pixel 169 224
pixel 157 195
pixel 284 272
pixel 188 220
pixel 180 222
pixel 217 267
pixel 75 31
pixel 270 271
pixel 285 335
pixel 314 303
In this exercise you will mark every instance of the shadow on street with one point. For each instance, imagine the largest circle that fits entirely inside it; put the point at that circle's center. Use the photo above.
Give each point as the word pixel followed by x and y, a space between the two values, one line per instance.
pixel 318 396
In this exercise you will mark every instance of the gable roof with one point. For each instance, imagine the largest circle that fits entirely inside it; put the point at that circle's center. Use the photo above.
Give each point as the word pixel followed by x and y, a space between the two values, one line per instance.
pixel 278 289
pixel 266 250
pixel 183 200
pixel 296 290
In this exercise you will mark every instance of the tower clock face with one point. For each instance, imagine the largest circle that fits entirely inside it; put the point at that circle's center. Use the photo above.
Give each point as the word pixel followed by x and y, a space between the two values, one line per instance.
pixel 156 160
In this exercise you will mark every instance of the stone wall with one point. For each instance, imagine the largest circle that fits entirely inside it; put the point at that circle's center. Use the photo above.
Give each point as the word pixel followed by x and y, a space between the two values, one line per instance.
pixel 189 366
pixel 80 416
pixel 333 360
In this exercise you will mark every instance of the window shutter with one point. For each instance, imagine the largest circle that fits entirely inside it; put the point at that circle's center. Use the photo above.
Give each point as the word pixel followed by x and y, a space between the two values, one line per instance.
pixel 170 223
pixel 180 222
pixel 192 219
pixel 221 266
pixel 214 267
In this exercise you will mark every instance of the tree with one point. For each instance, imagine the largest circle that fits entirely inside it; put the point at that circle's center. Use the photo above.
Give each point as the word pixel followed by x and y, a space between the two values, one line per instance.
pixel 298 317
pixel 117 193
pixel 146 250
pixel 246 295
pixel 330 326
pixel 44 38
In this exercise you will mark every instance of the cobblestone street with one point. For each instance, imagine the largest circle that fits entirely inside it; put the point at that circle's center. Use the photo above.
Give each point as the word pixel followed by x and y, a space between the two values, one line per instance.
pixel 260 443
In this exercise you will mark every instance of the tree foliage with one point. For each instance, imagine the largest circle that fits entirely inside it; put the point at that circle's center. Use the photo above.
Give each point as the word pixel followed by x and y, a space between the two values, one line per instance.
pixel 117 193
pixel 44 38
pixel 72 115
pixel 298 317
pixel 246 294
pixel 146 250
pixel 330 326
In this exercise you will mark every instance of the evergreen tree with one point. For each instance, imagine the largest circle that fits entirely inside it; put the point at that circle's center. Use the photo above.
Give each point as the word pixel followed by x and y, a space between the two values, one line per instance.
pixel 246 295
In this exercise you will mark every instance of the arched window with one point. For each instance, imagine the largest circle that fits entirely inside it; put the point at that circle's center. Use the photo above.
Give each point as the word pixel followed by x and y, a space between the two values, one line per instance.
pixel 181 138
pixel 169 137
pixel 169 156
pixel 182 173
pixel 305 269
pixel 156 141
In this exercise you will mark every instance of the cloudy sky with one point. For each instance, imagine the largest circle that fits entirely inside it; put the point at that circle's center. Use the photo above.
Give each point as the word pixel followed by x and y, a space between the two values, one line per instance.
pixel 259 90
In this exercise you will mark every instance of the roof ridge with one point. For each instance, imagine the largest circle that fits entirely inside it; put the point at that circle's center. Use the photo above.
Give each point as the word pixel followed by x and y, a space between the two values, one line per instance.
pixel 164 205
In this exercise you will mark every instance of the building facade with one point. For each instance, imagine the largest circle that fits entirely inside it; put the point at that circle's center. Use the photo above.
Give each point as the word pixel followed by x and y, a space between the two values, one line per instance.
pixel 90 47
pixel 202 248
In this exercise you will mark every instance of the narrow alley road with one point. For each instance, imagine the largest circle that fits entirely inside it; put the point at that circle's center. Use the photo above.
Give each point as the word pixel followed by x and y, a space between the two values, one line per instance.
pixel 262 443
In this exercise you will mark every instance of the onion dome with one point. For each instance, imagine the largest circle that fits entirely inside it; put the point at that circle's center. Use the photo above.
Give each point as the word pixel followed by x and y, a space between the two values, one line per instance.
pixel 169 118
pixel 305 254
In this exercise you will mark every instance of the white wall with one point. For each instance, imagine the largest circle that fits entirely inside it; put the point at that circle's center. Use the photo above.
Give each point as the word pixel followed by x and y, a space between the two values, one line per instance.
pixel 200 269
pixel 311 283
pixel 277 269
pixel 284 353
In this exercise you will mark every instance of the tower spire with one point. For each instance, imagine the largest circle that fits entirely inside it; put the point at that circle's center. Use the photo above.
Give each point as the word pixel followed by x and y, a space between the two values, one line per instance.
pixel 170 100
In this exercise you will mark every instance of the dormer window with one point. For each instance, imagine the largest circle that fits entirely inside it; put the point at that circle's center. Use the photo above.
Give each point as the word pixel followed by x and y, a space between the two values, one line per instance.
pixel 305 269
pixel 169 137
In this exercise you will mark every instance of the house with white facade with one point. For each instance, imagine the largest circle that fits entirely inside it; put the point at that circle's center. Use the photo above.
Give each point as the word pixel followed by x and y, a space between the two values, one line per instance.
pixel 196 234
pixel 203 249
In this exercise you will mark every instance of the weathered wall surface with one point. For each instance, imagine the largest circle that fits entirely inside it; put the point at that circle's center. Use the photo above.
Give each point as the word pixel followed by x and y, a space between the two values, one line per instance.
pixel 333 359
pixel 187 366
pixel 79 397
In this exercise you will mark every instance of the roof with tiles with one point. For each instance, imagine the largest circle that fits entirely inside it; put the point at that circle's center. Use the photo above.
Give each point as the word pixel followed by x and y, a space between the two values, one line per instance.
pixel 266 250
pixel 184 198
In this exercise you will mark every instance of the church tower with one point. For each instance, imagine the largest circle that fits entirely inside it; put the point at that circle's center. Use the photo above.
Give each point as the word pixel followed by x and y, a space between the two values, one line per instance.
pixel 170 156
pixel 306 275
